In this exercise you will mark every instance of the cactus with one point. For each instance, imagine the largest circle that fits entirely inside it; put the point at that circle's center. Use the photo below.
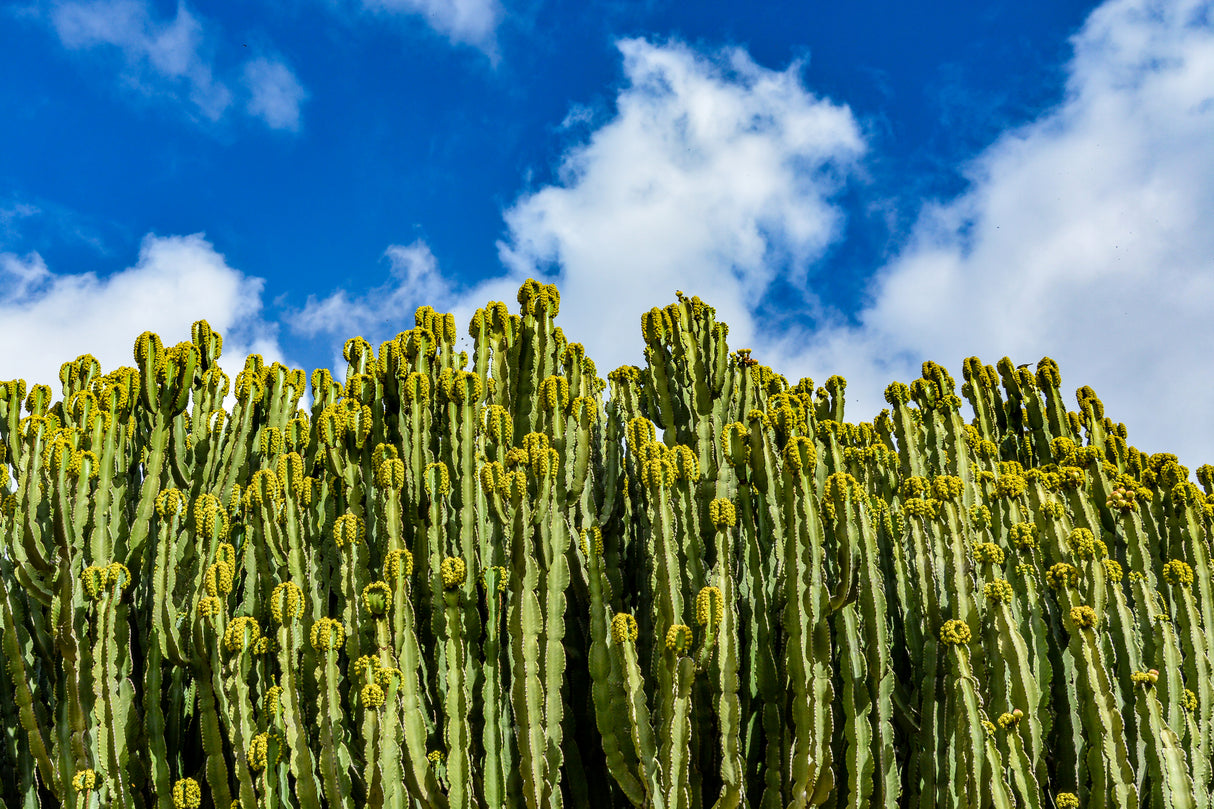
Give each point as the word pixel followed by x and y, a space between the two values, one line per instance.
pixel 485 580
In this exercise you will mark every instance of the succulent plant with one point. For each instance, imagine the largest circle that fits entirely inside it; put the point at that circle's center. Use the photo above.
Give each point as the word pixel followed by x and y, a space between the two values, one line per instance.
pixel 498 580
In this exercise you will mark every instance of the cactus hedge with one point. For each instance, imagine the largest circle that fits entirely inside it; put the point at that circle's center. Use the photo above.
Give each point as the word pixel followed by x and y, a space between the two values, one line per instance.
pixel 501 581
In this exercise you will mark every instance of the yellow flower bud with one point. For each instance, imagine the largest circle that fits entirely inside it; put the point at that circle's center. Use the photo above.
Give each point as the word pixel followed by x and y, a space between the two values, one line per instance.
pixel 84 781
pixel 396 563
pixel 678 639
pixel 624 628
pixel 1062 575
pixel 241 633
pixel 187 794
pixel 1178 573
pixel 955 633
pixel 453 572
pixel 349 530
pixel 1083 617
pixel 988 553
pixel 722 514
pixel 998 590
pixel 373 696
pixel 286 602
pixel 327 634
pixel 257 752
pixel 377 597
pixel 437 480
pixel 710 606
pixel 218 579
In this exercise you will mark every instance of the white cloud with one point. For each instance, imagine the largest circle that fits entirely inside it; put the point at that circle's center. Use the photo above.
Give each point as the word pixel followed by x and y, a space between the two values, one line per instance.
pixel 173 59
pixel 47 319
pixel 715 176
pixel 1083 236
pixel 469 22
pixel 274 93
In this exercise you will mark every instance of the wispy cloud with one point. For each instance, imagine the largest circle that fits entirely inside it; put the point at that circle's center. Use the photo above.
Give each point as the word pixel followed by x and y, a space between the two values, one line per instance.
pixel 47 318
pixel 378 314
pixel 468 22
pixel 1083 236
pixel 174 59
pixel 275 95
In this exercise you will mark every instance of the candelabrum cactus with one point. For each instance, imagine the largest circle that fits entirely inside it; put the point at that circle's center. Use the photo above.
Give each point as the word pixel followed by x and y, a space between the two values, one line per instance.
pixel 497 580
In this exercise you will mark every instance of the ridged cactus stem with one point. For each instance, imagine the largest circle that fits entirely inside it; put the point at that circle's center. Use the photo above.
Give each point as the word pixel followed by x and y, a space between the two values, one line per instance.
pixel 456 731
pixel 334 757
pixel 1101 717
pixel 34 734
pixel 1168 778
pixel 607 691
pixel 526 620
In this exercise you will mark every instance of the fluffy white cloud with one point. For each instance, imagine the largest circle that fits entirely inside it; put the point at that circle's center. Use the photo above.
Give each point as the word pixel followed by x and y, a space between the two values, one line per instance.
pixel 1083 235
pixel 173 59
pixel 274 93
pixel 47 318
pixel 470 22
pixel 715 176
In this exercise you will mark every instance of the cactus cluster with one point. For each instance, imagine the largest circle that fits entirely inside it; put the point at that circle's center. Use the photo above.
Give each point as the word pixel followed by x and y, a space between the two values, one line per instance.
pixel 497 580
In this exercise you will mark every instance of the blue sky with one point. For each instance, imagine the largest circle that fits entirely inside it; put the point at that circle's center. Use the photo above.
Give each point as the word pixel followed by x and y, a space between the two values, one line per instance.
pixel 856 186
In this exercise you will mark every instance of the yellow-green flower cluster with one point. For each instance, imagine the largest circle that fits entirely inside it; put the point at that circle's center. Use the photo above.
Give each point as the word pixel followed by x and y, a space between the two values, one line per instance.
pixel 349 529
pixel 1062 575
pixel 1112 570
pixel 980 515
pixel 955 633
pixel 218 579
pixel 377 597
pixel 591 537
pixel 187 794
pixel 1024 535
pixel 988 553
pixel 1189 701
pixel 258 748
pixel 209 606
pixel 710 606
pixel 1053 509
pixel 84 781
pixel 1083 544
pixel 272 701
pixel 624 628
pixel 947 487
pixel 373 696
pixel 500 577
pixel 241 633
pixel 918 507
pixel 1010 485
pixel 1008 721
pixel 722 514
pixel 327 634
pixel 453 572
pixel 1066 800
pixel 286 602
pixel 1083 617
pixel 1145 678
pixel 998 590
pixel 678 639
pixel 735 444
pixel 1178 573
pixel 397 563
pixel 437 479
